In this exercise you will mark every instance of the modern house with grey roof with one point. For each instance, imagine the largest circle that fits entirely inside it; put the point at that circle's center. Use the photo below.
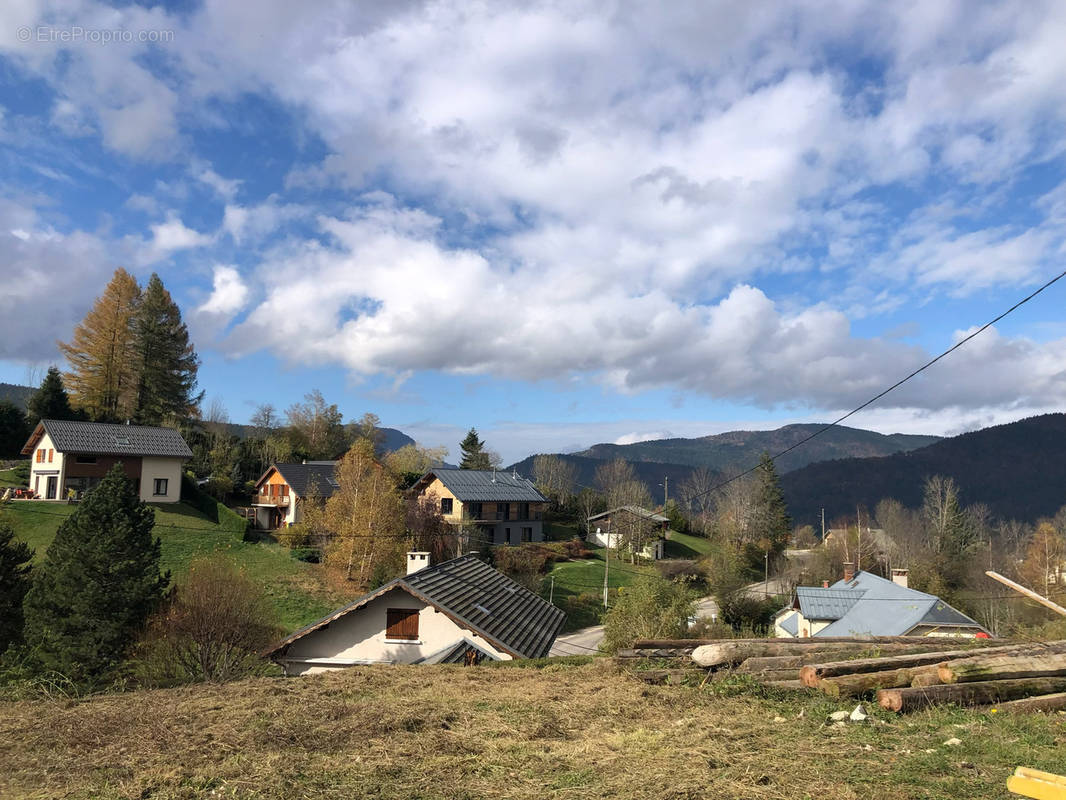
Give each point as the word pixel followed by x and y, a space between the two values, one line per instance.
pixel 630 527
pixel 864 604
pixel 70 457
pixel 457 611
pixel 500 507
pixel 283 490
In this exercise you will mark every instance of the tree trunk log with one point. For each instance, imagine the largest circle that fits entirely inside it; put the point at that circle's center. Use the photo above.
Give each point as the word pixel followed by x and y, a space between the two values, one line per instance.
pixel 734 652
pixel 863 682
pixel 807 641
pixel 1005 667
pixel 812 673
pixel 1043 702
pixel 967 694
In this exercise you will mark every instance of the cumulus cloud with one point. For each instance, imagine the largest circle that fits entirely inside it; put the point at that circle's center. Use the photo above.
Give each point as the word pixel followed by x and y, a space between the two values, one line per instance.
pixel 174 235
pixel 229 292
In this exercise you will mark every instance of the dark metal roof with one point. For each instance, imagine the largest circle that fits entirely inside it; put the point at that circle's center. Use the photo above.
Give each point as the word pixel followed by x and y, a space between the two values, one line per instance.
pixel 302 478
pixel 104 439
pixel 818 603
pixel 475 596
pixel 635 510
pixel 487 486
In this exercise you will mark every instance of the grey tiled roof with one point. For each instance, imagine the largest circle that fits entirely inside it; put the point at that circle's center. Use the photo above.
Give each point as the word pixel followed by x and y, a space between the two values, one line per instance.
pixel 486 486
pixel 98 438
pixel 301 478
pixel 477 597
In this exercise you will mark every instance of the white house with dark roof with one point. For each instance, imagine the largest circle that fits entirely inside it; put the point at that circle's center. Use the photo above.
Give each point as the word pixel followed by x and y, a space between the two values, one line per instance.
pixel 458 611
pixel 505 507
pixel 611 528
pixel 864 604
pixel 68 456
pixel 283 490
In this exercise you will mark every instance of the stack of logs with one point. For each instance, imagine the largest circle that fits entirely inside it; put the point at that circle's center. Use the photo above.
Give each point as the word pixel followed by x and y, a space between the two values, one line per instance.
pixel 907 673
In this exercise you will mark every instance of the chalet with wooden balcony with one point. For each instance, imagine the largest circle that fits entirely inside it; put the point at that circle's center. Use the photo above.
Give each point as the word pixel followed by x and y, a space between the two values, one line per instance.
pixel 69 457
pixel 284 489
pixel 497 507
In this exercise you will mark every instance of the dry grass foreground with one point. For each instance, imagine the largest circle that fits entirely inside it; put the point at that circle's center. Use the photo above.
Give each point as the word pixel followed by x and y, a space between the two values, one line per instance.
pixel 454 732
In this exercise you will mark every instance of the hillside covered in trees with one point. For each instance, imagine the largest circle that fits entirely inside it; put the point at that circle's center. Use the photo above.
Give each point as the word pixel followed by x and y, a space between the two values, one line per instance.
pixel 738 450
pixel 1018 470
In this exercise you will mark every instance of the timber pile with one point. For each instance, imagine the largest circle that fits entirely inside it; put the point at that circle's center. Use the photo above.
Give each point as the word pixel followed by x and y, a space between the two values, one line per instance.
pixel 907 673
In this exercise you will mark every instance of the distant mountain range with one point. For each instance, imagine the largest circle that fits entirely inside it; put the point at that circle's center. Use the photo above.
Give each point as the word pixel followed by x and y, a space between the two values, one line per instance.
pixel 728 453
pixel 15 394
pixel 1018 470
pixel 738 450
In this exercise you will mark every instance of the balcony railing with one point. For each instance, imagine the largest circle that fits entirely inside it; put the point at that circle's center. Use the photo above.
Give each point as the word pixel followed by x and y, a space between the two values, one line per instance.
pixel 500 516
pixel 272 500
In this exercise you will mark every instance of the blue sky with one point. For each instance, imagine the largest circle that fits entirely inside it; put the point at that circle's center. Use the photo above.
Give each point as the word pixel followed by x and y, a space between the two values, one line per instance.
pixel 560 223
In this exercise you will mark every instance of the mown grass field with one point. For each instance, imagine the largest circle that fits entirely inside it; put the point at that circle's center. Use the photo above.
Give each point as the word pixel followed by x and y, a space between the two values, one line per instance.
pixel 681 545
pixel 186 534
pixel 586 575
pixel 451 732
pixel 7 478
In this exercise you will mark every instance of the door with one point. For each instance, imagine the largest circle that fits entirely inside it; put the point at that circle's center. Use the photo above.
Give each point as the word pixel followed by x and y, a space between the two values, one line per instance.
pixel 53 485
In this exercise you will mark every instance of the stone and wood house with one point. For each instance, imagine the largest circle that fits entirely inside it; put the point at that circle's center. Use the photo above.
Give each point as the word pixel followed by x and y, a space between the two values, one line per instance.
pixel 284 489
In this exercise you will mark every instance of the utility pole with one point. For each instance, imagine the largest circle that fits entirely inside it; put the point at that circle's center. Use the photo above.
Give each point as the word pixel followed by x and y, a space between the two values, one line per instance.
pixel 858 540
pixel 666 490
pixel 551 591
pixel 823 524
pixel 607 562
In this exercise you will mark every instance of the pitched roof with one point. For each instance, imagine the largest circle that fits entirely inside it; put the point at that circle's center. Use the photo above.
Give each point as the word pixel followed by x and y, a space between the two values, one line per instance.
pixel 637 510
pixel 486 485
pixel 308 475
pixel 475 596
pixel 818 603
pixel 883 608
pixel 104 439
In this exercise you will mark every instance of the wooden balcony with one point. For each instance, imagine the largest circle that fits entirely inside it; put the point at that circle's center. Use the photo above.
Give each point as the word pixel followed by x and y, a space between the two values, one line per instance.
pixel 272 500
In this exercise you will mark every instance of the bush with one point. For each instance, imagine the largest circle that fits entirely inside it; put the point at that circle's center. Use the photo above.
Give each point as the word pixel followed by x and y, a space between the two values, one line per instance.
pixel 189 640
pixel 649 608
pixel 310 555
pixel 584 610
pixel 523 564
pixel 684 570
pixel 294 536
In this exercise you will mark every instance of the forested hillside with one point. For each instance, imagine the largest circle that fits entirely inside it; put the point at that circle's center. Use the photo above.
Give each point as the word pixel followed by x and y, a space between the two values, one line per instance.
pixel 653 475
pixel 738 450
pixel 1018 470
pixel 15 394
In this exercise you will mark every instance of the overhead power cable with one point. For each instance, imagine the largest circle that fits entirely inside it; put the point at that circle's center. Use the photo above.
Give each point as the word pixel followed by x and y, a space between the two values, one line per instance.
pixel 894 386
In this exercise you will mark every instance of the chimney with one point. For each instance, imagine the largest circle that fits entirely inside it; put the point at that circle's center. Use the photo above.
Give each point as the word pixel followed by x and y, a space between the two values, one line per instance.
pixel 899 577
pixel 417 561
pixel 849 571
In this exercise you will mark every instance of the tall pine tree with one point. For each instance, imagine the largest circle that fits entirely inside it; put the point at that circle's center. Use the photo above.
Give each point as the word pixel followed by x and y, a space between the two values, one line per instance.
pixel 771 525
pixel 103 353
pixel 14 582
pixel 474 455
pixel 98 584
pixel 50 401
pixel 167 361
pixel 13 430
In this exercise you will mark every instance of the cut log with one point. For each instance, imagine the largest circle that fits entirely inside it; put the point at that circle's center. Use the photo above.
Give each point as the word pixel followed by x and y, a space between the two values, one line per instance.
pixel 812 673
pixel 1028 705
pixel 863 682
pixel 930 678
pixel 979 693
pixel 813 655
pixel 734 652
pixel 808 641
pixel 1037 664
pixel 659 652
pixel 792 685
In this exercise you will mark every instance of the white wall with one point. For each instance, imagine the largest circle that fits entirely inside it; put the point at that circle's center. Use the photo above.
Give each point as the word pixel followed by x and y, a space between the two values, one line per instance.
pixel 39 473
pixel 169 468
pixel 359 638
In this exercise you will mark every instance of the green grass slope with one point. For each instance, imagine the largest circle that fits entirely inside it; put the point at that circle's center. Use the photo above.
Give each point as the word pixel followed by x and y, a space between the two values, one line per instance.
pixel 186 533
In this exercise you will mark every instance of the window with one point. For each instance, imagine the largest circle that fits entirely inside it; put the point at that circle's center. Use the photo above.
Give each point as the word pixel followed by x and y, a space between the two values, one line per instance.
pixel 507 533
pixel 85 459
pixel 40 456
pixel 527 534
pixel 523 510
pixel 160 487
pixel 51 452
pixel 401 624
pixel 446 505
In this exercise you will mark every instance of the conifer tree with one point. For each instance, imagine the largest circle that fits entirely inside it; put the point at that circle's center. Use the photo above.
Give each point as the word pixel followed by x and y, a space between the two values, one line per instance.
pixel 50 401
pixel 13 430
pixel 474 455
pixel 167 363
pixel 98 584
pixel 103 353
pixel 14 582
pixel 771 524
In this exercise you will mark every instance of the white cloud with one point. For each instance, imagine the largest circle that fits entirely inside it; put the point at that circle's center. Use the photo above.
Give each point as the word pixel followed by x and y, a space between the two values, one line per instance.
pixel 644 436
pixel 173 235
pixel 229 293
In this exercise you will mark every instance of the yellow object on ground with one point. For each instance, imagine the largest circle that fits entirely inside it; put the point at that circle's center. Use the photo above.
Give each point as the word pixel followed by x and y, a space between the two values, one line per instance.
pixel 1037 785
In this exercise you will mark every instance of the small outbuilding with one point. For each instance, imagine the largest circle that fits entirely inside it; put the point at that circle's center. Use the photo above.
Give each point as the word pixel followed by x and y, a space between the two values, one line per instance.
pixel 458 611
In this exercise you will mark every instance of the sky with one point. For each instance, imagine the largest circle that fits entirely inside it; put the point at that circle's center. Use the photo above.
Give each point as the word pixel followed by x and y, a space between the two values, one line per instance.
pixel 562 223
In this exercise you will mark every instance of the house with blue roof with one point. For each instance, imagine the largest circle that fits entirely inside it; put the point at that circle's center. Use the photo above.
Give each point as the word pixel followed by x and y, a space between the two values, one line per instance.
pixel 864 604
